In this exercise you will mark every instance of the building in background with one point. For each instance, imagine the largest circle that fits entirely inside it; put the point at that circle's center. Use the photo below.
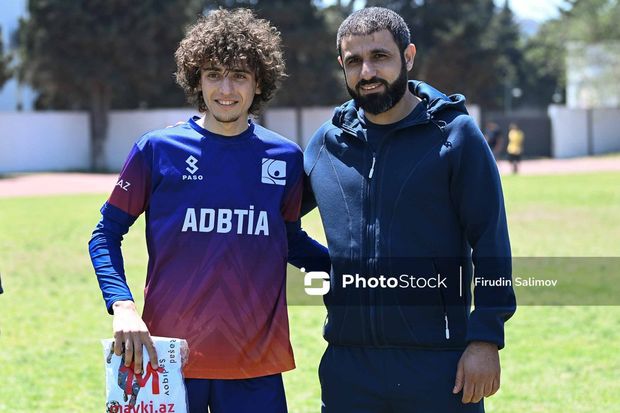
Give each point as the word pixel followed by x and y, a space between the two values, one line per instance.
pixel 592 75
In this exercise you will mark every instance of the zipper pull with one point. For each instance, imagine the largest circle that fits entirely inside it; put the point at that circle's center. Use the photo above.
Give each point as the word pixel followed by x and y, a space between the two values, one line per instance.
pixel 445 316
pixel 372 168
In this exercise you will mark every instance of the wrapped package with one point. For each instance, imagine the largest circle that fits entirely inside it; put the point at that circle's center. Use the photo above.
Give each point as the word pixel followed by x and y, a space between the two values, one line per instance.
pixel 158 390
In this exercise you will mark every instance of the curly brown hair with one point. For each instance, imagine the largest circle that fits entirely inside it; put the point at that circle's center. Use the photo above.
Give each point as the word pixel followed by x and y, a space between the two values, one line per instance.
pixel 231 38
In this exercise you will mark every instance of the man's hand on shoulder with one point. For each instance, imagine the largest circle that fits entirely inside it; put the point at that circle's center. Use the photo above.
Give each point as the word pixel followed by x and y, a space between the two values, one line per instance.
pixel 131 331
pixel 478 372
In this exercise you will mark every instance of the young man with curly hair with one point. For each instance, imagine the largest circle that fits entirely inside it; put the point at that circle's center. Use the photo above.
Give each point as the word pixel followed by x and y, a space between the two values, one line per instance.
pixel 222 198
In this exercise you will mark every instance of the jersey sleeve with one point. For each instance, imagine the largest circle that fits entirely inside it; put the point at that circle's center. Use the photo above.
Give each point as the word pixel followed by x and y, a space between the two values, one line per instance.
pixel 131 193
pixel 128 200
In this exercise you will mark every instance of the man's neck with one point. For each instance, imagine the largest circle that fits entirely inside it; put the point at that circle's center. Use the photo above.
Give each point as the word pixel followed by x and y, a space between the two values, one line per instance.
pixel 398 112
pixel 223 128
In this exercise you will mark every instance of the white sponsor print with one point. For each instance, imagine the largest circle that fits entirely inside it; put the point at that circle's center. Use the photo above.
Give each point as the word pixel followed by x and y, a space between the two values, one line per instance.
pixel 273 172
pixel 124 185
pixel 222 221
pixel 192 168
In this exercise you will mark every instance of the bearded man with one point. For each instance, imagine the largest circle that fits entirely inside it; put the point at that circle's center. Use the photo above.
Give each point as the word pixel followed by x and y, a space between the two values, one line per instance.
pixel 411 202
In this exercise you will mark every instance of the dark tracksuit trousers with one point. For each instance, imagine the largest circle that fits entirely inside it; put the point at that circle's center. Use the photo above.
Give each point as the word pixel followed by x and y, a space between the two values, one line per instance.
pixel 391 380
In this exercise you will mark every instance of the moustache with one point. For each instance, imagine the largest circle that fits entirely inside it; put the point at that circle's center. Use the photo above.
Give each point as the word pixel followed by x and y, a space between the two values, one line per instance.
pixel 364 82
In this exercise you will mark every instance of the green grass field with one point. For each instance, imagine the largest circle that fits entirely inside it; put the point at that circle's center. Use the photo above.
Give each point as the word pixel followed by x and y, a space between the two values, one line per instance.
pixel 557 359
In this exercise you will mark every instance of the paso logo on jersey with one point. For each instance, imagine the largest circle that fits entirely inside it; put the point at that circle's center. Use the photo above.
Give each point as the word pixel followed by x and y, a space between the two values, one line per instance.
pixel 274 172
pixel 192 168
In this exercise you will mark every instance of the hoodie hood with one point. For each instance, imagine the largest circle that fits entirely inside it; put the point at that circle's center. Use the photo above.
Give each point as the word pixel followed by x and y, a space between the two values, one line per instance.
pixel 346 116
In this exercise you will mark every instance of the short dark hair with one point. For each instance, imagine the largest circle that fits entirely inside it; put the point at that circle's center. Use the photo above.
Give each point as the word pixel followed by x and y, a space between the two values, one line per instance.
pixel 231 38
pixel 373 19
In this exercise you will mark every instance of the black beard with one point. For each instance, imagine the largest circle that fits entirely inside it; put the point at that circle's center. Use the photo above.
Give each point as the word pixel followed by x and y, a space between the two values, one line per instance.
pixel 375 103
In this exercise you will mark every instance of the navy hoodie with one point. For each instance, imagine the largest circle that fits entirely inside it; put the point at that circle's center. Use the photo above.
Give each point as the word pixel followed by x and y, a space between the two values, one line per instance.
pixel 424 207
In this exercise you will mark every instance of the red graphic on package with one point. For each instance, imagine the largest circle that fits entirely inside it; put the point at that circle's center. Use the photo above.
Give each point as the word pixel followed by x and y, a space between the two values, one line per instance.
pixel 161 389
pixel 131 382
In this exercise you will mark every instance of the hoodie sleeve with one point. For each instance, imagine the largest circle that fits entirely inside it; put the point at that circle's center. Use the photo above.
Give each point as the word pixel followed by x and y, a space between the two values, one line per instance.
pixel 477 193
pixel 311 157
pixel 303 251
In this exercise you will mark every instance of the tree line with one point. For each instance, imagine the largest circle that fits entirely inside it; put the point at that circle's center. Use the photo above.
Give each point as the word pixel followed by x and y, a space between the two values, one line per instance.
pixel 98 55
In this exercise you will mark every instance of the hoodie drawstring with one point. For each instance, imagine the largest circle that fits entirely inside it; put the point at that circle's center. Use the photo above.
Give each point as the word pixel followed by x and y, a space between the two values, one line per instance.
pixel 372 167
pixel 441 124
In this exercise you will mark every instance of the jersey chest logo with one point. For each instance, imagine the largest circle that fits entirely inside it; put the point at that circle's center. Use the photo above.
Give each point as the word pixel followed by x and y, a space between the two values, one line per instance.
pixel 273 172
pixel 192 168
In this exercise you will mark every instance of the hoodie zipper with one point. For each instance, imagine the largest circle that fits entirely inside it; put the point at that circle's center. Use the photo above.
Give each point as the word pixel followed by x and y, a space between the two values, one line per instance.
pixel 373 209
pixel 372 167
pixel 443 306
pixel 445 314
pixel 370 236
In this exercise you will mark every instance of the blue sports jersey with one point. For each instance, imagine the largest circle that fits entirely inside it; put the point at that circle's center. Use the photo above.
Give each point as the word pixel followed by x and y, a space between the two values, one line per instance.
pixel 217 209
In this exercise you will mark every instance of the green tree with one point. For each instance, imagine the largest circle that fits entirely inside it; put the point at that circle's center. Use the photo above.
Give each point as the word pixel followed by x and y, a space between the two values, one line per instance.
pixel 593 51
pixel 457 45
pixel 543 66
pixel 5 61
pixel 581 23
pixel 334 15
pixel 103 54
pixel 308 50
pixel 592 21
pixel 504 38
pixel 313 76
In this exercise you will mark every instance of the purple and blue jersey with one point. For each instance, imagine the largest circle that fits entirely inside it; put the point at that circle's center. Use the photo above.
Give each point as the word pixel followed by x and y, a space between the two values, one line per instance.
pixel 217 212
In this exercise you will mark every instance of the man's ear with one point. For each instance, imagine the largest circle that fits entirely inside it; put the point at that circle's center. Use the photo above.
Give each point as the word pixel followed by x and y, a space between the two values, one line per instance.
pixel 340 62
pixel 410 52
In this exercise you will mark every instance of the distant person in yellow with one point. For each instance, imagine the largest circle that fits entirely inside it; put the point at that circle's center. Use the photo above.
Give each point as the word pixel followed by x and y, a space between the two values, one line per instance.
pixel 515 146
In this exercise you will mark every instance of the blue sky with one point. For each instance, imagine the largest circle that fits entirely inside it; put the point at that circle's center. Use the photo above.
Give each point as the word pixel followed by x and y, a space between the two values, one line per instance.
pixel 539 10
pixel 9 13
